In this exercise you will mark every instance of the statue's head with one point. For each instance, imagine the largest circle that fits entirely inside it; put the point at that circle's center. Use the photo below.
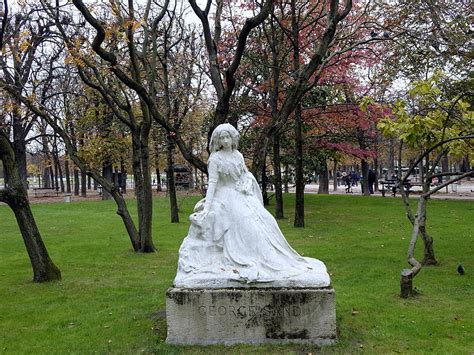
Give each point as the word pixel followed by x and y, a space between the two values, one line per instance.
pixel 215 144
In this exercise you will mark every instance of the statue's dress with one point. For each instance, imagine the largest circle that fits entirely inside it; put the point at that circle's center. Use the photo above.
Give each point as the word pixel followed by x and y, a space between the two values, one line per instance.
pixel 238 243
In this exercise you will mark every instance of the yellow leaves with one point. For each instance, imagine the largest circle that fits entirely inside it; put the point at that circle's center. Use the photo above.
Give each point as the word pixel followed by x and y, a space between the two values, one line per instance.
pixel 112 148
pixel 74 60
pixel 427 91
pixel 110 31
pixel 78 43
pixel 134 24
pixel 458 149
pixel 365 102
pixel 24 46
pixel 20 45
pixel 33 169
pixel 429 117
pixel 74 55
pixel 117 31
pixel 464 106
pixel 387 127
pixel 9 106
pixel 31 97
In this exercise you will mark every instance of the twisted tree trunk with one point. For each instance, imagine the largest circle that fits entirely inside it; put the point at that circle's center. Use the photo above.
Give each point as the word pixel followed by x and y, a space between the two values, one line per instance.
pixel 15 196
pixel 407 275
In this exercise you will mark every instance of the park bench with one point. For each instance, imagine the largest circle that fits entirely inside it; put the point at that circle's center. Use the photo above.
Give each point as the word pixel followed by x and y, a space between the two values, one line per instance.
pixel 392 186
pixel 45 191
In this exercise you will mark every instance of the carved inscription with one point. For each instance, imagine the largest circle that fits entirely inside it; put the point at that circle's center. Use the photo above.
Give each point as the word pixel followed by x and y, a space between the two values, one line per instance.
pixel 244 311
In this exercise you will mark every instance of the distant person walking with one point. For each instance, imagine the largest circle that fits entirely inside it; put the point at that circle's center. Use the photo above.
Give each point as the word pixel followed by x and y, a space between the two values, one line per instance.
pixel 354 178
pixel 371 181
pixel 346 178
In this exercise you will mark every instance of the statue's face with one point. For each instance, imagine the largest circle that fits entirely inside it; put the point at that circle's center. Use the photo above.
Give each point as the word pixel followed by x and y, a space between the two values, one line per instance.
pixel 225 140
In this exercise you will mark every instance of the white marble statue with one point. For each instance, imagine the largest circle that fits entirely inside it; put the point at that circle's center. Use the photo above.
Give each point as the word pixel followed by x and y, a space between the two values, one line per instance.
pixel 233 240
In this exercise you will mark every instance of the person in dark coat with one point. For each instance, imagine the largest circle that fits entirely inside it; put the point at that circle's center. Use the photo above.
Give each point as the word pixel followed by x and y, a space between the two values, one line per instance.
pixel 371 181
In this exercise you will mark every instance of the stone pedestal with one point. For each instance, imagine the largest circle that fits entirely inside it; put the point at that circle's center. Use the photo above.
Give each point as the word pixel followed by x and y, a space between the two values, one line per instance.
pixel 230 316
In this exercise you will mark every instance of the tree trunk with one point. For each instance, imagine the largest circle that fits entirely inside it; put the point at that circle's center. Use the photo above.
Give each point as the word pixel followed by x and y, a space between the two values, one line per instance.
pixel 171 182
pixel 287 177
pixel 107 174
pixel 145 202
pixel 52 176
pixel 365 174
pixel 157 166
pixel 46 178
pixel 324 179
pixel 143 198
pixel 20 156
pixel 56 173
pixel 60 174
pixel 429 255
pixel 428 252
pixel 277 178
pixel 83 183
pixel 407 275
pixel 158 179
pixel 124 177
pixel 466 165
pixel 299 175
pixel 445 167
pixel 274 96
pixel 76 181
pixel 19 143
pixel 376 171
pixel 15 195
pixel 68 175
pixel 406 284
pixel 334 175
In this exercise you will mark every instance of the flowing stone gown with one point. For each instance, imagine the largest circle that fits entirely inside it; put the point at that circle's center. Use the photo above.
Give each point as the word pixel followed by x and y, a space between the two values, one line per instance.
pixel 237 242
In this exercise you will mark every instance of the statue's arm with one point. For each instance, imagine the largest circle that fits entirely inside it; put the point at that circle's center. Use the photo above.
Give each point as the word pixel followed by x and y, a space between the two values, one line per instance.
pixel 250 183
pixel 211 184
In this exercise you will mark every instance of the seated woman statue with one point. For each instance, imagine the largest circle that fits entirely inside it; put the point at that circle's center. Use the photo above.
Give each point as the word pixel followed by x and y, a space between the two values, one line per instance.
pixel 233 240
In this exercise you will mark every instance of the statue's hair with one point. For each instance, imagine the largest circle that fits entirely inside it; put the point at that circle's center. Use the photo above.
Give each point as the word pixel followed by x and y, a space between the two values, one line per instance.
pixel 215 146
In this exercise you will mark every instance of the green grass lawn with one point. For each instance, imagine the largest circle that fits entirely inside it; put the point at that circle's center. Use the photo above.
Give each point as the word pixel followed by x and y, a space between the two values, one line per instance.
pixel 112 300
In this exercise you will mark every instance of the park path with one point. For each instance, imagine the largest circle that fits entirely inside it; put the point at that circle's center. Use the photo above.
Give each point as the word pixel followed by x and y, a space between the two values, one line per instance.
pixel 463 191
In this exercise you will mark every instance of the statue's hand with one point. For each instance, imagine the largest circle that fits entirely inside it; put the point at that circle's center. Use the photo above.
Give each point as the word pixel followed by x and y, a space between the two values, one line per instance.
pixel 245 186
